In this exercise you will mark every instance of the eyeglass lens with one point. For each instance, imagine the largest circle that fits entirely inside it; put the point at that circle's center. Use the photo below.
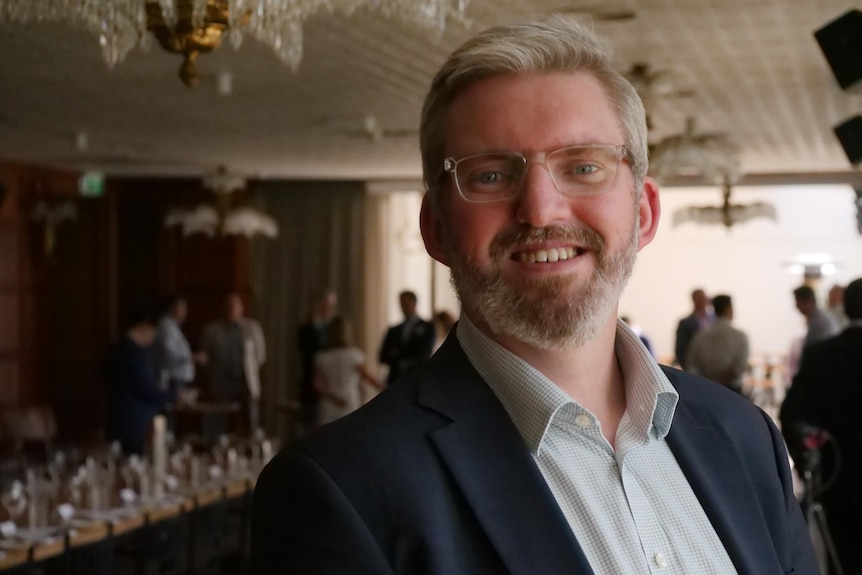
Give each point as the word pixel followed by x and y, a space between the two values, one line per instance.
pixel 575 171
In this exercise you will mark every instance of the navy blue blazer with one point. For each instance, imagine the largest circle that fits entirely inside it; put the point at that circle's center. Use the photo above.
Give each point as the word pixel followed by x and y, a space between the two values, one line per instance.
pixel 685 330
pixel 404 355
pixel 432 477
pixel 134 396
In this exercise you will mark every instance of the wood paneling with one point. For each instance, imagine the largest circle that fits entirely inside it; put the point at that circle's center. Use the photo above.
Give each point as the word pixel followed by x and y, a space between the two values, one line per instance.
pixel 9 333
pixel 153 261
pixel 60 311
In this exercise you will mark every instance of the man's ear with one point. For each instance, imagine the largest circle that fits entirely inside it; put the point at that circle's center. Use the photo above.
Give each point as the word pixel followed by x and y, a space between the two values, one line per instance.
pixel 432 231
pixel 649 208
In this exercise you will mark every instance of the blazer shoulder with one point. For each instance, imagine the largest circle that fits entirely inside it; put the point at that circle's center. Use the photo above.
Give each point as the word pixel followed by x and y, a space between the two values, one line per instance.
pixel 708 398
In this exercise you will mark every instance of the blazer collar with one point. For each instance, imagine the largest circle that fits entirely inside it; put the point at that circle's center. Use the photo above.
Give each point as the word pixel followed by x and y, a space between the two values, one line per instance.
pixel 710 462
pixel 494 469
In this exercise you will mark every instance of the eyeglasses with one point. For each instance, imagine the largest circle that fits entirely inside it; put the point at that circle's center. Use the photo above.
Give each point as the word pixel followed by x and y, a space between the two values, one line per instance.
pixel 585 170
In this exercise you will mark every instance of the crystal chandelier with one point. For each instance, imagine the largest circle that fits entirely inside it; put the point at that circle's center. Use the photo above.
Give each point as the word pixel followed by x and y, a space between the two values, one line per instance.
pixel 711 156
pixel 222 218
pixel 191 27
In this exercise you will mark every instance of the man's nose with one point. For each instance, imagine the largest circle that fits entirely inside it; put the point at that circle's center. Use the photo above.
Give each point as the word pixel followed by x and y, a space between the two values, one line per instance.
pixel 539 202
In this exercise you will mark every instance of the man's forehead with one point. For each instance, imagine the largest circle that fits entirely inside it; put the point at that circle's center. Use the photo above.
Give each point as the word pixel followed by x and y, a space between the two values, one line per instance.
pixel 519 112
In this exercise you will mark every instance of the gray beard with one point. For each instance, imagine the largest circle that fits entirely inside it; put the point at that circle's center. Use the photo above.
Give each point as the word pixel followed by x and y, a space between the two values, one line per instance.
pixel 535 312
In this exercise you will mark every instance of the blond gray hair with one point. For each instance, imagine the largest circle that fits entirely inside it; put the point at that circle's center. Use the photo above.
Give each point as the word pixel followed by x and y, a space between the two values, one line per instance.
pixel 556 43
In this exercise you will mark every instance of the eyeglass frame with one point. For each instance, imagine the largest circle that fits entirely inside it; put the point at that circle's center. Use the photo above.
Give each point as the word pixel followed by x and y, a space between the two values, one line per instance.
pixel 450 165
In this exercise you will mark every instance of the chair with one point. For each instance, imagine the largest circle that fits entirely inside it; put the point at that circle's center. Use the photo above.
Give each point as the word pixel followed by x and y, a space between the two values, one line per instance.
pixel 26 435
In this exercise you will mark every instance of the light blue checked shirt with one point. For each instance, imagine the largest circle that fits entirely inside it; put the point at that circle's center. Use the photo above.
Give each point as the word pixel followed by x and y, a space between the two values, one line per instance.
pixel 631 510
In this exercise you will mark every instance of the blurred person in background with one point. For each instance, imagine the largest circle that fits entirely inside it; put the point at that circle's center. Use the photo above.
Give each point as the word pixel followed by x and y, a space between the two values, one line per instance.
pixel 719 351
pixel 340 371
pixel 825 397
pixel 134 396
pixel 700 317
pixel 172 355
pixel 835 305
pixel 311 338
pixel 821 324
pixel 409 343
pixel 233 351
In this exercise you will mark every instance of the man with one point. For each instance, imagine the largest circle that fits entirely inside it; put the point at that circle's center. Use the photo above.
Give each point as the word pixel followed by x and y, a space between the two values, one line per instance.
pixel 541 437
pixel 688 326
pixel 172 355
pixel 233 351
pixel 311 339
pixel 134 395
pixel 821 325
pixel 836 305
pixel 826 394
pixel 409 343
pixel 719 352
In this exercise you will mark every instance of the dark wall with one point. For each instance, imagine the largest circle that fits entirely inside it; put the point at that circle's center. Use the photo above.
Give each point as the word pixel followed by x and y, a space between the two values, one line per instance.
pixel 153 261
pixel 60 311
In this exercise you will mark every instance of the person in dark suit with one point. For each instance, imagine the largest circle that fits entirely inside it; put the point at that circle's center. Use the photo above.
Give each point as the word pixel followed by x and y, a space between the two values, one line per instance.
pixel 311 338
pixel 409 343
pixel 541 437
pixel 134 394
pixel 826 395
pixel 700 317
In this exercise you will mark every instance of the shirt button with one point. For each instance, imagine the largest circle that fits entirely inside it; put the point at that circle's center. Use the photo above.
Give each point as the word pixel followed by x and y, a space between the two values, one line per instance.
pixel 660 560
pixel 583 420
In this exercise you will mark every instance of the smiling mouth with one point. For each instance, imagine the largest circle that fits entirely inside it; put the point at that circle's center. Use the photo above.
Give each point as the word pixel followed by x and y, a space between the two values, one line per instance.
pixel 549 255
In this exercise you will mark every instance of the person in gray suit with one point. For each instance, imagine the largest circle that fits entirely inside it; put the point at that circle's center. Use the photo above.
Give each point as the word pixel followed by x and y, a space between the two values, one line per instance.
pixel 233 351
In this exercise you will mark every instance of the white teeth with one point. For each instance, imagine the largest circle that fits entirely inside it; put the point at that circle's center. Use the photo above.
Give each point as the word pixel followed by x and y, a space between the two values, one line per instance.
pixel 550 255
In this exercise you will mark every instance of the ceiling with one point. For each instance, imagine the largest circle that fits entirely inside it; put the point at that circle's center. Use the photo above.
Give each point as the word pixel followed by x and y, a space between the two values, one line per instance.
pixel 750 68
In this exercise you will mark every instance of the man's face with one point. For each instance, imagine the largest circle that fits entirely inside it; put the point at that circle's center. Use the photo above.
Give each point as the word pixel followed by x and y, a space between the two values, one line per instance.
pixel 326 306
pixel 698 297
pixel 408 305
pixel 146 334
pixel 491 247
pixel 180 311
pixel 234 307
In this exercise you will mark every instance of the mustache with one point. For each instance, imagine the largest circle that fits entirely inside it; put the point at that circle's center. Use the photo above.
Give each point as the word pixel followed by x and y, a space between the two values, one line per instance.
pixel 527 234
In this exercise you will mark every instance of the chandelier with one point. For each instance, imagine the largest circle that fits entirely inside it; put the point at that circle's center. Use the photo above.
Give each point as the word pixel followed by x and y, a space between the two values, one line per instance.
pixel 222 218
pixel 192 27
pixel 727 214
pixel 713 157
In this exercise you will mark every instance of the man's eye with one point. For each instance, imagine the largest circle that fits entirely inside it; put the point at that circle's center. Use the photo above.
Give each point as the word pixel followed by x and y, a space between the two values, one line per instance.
pixel 489 177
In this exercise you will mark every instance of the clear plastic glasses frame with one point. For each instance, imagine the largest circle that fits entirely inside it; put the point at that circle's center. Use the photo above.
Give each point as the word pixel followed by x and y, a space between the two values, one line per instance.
pixel 583 170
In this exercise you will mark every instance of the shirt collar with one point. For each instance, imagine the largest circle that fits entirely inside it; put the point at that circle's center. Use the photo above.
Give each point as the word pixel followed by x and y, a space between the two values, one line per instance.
pixel 532 400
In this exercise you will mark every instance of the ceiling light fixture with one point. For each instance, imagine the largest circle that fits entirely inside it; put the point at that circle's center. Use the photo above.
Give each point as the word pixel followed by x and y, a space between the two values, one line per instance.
pixel 222 218
pixel 812 265
pixel 191 27
pixel 727 214
pixel 713 157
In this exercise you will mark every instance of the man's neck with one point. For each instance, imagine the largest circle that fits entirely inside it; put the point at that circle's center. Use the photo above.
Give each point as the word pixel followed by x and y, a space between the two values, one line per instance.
pixel 589 374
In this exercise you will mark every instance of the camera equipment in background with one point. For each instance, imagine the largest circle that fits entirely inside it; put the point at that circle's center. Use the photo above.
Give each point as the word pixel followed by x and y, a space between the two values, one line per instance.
pixel 812 440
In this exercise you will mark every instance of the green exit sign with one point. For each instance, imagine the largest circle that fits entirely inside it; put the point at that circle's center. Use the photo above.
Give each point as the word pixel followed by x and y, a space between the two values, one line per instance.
pixel 92 184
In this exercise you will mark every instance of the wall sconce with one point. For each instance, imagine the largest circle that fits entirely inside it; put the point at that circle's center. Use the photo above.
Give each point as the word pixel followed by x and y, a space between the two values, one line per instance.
pixel 51 215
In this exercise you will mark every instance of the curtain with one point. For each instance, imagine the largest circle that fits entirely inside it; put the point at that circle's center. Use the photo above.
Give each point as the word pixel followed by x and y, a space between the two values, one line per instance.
pixel 320 245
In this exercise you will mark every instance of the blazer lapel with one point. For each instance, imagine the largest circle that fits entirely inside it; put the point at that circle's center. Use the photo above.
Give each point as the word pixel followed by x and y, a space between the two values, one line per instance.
pixel 708 460
pixel 496 472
